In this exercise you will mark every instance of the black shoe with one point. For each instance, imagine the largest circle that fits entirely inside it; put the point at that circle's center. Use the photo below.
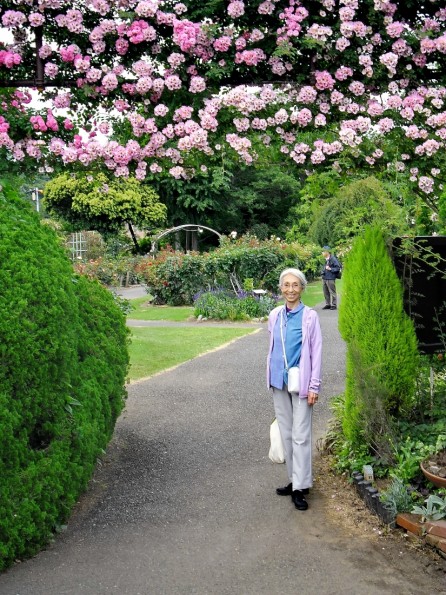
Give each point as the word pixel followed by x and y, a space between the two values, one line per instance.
pixel 326 307
pixel 333 308
pixel 285 491
pixel 288 490
pixel 299 500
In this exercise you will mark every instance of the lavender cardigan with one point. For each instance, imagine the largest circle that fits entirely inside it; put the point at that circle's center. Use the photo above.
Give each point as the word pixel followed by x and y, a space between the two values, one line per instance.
pixel 311 354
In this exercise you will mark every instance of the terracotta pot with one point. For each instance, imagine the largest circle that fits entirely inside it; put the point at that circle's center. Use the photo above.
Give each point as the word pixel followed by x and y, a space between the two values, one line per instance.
pixel 439 482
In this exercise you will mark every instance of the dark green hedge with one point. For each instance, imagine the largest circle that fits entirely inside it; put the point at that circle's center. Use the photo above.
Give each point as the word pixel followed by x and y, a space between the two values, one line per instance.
pixel 63 365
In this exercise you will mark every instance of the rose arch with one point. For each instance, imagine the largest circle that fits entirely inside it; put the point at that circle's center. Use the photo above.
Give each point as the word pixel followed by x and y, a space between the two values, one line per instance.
pixel 188 227
pixel 141 87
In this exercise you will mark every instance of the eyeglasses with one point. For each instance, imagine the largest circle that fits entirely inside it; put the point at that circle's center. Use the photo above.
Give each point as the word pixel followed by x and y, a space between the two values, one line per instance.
pixel 291 286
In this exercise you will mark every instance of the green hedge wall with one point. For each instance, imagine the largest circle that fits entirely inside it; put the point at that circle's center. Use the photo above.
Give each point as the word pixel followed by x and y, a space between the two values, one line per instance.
pixel 382 355
pixel 63 366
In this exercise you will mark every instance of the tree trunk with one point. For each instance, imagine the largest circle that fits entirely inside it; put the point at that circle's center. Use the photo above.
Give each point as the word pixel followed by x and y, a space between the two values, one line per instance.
pixel 132 233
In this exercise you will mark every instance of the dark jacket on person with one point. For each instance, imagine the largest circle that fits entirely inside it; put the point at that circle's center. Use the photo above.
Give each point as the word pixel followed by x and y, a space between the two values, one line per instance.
pixel 332 262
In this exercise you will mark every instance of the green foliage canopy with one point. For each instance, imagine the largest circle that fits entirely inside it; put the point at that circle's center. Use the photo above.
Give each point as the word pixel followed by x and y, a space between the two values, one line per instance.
pixel 95 202
pixel 353 207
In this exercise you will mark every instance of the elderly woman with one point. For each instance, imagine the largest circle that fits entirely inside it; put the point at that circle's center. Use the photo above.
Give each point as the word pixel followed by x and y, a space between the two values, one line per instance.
pixel 295 340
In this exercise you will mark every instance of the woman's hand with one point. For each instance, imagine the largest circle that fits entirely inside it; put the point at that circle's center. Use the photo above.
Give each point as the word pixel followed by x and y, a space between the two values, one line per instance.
pixel 312 397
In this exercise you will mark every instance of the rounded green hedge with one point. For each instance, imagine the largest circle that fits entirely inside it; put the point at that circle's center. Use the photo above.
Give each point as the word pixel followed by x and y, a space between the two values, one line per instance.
pixel 63 366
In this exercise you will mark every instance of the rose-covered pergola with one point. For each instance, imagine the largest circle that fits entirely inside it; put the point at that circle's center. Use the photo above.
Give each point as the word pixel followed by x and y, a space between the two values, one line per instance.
pixel 147 86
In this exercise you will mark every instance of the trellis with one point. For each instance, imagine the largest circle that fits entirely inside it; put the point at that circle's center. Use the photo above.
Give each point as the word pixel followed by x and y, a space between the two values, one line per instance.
pixel 77 245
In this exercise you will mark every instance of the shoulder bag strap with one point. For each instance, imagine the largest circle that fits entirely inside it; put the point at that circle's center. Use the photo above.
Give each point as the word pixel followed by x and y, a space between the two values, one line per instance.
pixel 283 342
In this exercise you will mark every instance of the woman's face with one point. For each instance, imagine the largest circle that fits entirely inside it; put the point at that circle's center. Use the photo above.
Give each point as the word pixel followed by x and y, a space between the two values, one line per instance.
pixel 291 289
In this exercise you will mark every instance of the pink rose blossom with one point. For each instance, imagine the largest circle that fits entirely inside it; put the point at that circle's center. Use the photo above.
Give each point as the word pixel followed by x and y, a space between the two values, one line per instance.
pixel 427 46
pixel 343 73
pixel 236 9
pixel 357 88
pixel 386 125
pixel 36 19
pixel 13 18
pixel 266 8
pixel 395 29
pixel 426 184
pixel 51 70
pixel 222 44
pixel 324 80
pixel 9 59
pixel 147 8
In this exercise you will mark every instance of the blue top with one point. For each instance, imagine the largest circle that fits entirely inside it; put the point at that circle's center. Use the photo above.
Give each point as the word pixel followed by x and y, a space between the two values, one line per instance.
pixel 291 323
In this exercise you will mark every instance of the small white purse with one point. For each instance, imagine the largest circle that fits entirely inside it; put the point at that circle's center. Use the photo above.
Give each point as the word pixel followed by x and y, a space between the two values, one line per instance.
pixel 294 379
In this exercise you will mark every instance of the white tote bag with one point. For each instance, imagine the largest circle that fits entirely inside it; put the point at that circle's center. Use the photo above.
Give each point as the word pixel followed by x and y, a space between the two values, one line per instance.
pixel 276 452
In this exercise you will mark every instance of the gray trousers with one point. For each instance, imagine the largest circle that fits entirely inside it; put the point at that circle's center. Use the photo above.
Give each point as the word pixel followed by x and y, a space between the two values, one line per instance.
pixel 329 287
pixel 294 417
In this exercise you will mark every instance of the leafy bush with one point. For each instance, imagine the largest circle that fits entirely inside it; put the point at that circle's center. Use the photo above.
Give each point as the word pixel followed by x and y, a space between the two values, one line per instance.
pixel 224 305
pixel 408 455
pixel 434 510
pixel 63 366
pixel 355 206
pixel 396 497
pixel 110 271
pixel 174 278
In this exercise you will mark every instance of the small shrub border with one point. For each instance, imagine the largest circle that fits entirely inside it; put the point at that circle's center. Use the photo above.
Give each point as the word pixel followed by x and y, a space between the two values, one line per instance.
pixel 110 271
pixel 221 304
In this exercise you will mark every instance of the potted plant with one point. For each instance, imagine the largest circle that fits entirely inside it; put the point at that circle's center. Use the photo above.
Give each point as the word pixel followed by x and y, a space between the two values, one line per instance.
pixel 434 468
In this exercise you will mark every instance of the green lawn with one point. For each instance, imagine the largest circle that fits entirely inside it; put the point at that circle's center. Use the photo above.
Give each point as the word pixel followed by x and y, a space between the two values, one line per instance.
pixel 143 310
pixel 313 294
pixel 158 348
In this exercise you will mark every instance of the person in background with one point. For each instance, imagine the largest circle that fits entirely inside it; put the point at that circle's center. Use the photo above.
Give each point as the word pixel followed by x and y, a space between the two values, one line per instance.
pixel 295 340
pixel 329 274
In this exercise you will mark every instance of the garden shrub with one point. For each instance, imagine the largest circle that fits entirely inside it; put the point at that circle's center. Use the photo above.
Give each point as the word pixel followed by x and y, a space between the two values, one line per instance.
pixel 358 204
pixel 174 277
pixel 381 343
pixel 63 364
pixel 110 271
pixel 224 305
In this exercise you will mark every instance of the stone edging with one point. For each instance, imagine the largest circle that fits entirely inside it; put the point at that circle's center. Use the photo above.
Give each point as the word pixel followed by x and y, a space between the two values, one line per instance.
pixel 371 498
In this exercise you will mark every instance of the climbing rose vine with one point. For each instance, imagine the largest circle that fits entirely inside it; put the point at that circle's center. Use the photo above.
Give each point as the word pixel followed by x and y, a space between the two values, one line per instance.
pixel 149 86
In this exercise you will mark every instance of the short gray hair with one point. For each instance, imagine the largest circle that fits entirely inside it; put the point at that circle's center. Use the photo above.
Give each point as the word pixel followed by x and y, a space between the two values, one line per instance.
pixel 296 273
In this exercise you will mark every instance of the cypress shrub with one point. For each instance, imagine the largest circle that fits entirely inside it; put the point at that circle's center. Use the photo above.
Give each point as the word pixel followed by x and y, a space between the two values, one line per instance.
pixel 63 363
pixel 381 341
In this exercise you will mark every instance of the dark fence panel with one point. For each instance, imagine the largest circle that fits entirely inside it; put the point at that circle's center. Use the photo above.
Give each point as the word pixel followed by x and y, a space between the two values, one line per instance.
pixel 421 265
